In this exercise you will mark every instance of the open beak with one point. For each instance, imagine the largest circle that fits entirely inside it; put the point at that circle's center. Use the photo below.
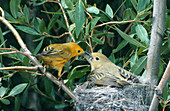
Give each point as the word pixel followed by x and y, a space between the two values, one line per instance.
pixel 87 56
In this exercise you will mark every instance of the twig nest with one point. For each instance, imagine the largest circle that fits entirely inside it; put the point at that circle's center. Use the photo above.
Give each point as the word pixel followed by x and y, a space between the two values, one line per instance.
pixel 105 98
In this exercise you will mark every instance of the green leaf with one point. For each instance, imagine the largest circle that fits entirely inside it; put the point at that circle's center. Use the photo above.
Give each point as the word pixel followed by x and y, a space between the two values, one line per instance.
pixel 97 40
pixel 142 16
pixel 109 10
pixel 14 8
pixel 64 4
pixel 128 39
pixel 52 21
pixel 133 59
pixel 71 15
pixel 5 101
pixel 87 29
pixel 142 4
pixel 60 106
pixel 69 3
pixel 72 26
pixel 93 10
pixel 134 3
pixel 2 41
pixel 80 17
pixel 120 46
pixel 40 3
pixel 2 91
pixel 104 16
pixel 38 39
pixel 27 30
pixel 26 13
pixel 167 22
pixel 37 49
pixel 94 22
pixel 142 34
pixel 112 57
pixel 9 17
pixel 18 89
pixel 139 66
pixel 36 24
pixel 129 14
pixel 42 26
pixel 17 104
pixel 48 86
pixel 74 74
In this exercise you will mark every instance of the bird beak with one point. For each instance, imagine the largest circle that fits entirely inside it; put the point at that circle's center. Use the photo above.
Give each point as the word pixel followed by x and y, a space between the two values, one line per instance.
pixel 87 56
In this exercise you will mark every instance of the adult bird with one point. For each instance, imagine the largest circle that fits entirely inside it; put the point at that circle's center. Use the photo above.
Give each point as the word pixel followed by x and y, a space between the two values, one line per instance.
pixel 55 56
pixel 104 72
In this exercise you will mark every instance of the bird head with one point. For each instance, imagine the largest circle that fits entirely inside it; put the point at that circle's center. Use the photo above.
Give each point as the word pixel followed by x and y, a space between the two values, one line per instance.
pixel 96 60
pixel 76 49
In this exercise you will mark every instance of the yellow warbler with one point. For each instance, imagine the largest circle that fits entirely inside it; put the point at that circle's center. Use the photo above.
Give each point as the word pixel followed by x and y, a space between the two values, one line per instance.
pixel 55 56
pixel 104 72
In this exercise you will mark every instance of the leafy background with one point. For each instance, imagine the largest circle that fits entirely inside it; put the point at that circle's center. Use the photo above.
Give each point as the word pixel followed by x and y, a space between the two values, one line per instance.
pixel 41 22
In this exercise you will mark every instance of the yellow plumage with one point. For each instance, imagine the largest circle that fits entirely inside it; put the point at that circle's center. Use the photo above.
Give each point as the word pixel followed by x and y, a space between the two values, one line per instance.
pixel 55 56
pixel 104 72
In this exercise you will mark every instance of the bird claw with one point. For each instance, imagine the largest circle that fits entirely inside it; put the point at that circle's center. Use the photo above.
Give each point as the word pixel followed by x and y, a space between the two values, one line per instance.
pixel 41 68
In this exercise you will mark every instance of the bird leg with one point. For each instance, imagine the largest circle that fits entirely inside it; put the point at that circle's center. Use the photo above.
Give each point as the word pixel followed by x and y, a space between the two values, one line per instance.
pixel 60 74
pixel 72 61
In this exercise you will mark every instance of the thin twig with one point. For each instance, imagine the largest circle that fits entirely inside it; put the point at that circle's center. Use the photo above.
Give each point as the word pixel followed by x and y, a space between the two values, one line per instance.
pixel 164 103
pixel 89 15
pixel 90 45
pixel 22 71
pixel 19 67
pixel 118 22
pixel 2 12
pixel 4 53
pixel 59 36
pixel 14 51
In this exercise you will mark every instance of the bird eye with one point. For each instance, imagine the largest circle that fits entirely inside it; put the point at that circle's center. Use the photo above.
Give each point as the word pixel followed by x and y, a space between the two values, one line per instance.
pixel 78 51
pixel 97 58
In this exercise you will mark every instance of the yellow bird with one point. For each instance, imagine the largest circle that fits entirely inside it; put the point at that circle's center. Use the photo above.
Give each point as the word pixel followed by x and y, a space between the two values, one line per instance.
pixel 104 72
pixel 55 56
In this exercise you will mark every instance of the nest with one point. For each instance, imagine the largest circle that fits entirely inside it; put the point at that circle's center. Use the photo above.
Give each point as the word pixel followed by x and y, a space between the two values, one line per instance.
pixel 105 98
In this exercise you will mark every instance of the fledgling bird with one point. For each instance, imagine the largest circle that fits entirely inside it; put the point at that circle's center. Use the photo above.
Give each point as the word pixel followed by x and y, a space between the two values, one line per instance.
pixel 104 72
pixel 55 56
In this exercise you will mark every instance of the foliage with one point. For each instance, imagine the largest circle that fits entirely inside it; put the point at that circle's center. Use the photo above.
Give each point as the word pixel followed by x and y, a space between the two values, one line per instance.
pixel 93 25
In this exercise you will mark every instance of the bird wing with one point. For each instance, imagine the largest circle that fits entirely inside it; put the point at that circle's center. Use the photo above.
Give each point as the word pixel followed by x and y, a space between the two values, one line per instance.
pixel 127 75
pixel 106 78
pixel 56 51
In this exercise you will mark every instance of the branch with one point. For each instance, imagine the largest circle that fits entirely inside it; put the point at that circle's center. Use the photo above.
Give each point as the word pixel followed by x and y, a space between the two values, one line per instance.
pixel 34 60
pixel 19 67
pixel 14 51
pixel 118 22
pixel 160 88
pixel 158 26
pixel 59 36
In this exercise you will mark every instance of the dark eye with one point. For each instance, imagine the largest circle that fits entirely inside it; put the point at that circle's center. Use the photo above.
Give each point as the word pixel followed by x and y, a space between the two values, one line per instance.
pixel 97 58
pixel 78 51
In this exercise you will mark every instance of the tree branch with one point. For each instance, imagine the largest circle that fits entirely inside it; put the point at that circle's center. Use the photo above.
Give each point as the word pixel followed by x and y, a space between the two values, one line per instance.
pixel 118 22
pixel 18 67
pixel 161 86
pixel 156 41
